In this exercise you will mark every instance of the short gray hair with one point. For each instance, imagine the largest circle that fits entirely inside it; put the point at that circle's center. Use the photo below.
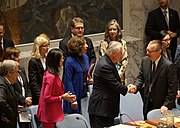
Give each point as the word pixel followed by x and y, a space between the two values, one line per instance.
pixel 8 66
pixel 114 46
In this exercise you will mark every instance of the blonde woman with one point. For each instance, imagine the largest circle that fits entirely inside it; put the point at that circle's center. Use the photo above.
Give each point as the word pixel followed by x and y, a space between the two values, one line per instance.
pixel 113 33
pixel 37 66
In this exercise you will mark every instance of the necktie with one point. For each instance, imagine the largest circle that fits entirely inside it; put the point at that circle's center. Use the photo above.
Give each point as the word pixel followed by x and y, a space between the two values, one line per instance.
pixel 153 67
pixel 166 17
pixel 1 50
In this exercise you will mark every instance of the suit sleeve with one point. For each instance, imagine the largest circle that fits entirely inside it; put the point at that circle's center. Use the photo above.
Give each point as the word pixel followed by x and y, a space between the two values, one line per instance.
pixel 172 86
pixel 63 46
pixel 32 68
pixel 4 106
pixel 139 80
pixel 149 28
pixel 90 51
pixel 68 78
pixel 108 76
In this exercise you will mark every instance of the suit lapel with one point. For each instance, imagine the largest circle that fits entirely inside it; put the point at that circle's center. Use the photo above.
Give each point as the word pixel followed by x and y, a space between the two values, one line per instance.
pixel 161 15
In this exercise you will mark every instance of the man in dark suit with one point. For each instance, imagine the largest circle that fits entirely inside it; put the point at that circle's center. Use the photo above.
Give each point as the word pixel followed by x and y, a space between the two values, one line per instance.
pixel 4 42
pixel 107 87
pixel 77 29
pixel 9 71
pixel 164 19
pixel 158 76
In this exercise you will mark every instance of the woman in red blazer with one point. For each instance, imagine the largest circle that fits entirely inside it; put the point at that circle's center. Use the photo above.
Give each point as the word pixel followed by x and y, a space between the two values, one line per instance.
pixel 52 93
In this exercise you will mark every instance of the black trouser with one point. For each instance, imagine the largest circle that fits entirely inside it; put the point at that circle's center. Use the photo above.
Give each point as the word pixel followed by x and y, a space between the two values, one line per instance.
pixel 100 121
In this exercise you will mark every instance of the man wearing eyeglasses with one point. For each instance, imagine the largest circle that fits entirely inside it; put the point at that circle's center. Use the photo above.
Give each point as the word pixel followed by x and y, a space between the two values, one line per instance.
pixel 4 42
pixel 77 29
pixel 157 75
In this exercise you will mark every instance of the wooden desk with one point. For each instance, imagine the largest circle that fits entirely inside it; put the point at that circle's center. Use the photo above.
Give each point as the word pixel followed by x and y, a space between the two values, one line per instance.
pixel 150 123
pixel 155 122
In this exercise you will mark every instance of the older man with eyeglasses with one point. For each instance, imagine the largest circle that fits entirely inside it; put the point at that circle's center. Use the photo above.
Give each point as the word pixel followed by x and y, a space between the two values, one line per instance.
pixel 157 75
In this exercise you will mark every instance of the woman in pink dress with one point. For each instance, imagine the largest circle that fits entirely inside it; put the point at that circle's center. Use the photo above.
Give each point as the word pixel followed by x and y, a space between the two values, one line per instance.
pixel 52 93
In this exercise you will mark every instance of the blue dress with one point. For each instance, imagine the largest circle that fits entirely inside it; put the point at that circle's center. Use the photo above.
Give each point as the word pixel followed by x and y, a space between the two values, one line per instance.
pixel 74 80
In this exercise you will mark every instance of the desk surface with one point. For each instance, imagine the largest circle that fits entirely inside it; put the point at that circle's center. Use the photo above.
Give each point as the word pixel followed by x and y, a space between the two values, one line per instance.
pixel 155 122
pixel 150 123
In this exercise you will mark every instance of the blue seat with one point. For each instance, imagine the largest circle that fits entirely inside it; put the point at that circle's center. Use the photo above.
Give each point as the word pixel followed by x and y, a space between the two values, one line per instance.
pixel 33 111
pixel 73 121
pixel 156 114
pixel 177 105
pixel 131 108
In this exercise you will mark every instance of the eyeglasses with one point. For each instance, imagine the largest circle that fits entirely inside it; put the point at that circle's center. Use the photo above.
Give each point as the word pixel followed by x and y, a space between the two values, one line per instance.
pixel 167 39
pixel 78 28
pixel 45 45
pixel 151 51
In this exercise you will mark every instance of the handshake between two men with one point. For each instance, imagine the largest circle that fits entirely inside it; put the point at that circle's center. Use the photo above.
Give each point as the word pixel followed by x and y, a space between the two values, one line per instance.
pixel 132 88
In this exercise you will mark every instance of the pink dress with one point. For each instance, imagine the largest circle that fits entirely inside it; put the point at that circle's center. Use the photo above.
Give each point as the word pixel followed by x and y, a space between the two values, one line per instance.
pixel 50 106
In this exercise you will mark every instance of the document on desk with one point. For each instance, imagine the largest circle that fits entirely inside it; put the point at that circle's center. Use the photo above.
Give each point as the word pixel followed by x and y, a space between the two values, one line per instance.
pixel 123 126
pixel 176 119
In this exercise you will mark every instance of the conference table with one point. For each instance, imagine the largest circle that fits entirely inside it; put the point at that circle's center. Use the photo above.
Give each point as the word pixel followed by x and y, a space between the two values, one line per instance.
pixel 146 124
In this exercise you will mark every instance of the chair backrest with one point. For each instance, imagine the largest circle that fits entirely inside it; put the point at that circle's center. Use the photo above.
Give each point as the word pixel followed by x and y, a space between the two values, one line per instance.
pixel 177 105
pixel 33 111
pixel 131 107
pixel 73 121
pixel 156 114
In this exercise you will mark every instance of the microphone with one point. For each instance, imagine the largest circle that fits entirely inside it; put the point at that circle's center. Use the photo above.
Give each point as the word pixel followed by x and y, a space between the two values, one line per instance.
pixel 122 114
pixel 83 121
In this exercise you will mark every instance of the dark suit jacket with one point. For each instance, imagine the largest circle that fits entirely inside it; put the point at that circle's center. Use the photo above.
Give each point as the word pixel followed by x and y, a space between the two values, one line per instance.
pixel 18 85
pixel 8 104
pixel 90 50
pixel 35 72
pixel 156 23
pixel 164 83
pixel 107 87
pixel 7 43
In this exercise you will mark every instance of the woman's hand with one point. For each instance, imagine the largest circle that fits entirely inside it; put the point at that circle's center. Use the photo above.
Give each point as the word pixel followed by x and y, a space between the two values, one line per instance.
pixel 74 105
pixel 69 97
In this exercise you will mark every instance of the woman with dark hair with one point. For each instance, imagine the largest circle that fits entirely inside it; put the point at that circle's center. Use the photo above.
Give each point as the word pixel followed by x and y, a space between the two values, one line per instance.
pixel 52 92
pixel 75 75
pixel 113 33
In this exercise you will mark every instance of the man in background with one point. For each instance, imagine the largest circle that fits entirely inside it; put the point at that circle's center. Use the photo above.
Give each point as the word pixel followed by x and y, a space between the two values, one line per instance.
pixel 157 75
pixel 77 29
pixel 4 42
pixel 164 20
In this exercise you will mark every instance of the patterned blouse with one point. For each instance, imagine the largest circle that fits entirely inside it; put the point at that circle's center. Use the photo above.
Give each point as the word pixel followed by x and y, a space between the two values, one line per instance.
pixel 123 64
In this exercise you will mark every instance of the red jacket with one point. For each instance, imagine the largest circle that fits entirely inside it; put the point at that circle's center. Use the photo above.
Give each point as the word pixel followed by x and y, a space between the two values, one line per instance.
pixel 50 106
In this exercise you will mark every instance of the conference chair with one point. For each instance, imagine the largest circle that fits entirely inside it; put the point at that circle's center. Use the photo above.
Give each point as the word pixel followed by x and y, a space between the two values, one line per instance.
pixel 177 105
pixel 131 108
pixel 156 114
pixel 33 111
pixel 73 121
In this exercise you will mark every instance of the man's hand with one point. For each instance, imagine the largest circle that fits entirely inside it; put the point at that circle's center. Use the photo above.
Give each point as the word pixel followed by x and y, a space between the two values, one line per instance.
pixel 172 34
pixel 132 88
pixel 164 110
pixel 28 101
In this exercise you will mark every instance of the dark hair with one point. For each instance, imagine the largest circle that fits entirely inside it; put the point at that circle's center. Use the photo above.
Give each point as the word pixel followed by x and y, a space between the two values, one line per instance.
pixel 119 33
pixel 75 45
pixel 52 60
pixel 76 20
pixel 11 53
